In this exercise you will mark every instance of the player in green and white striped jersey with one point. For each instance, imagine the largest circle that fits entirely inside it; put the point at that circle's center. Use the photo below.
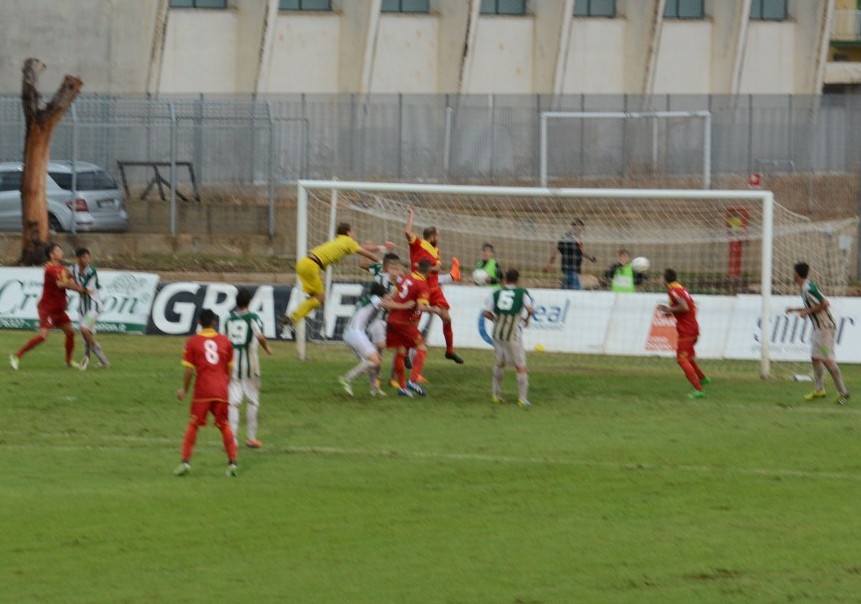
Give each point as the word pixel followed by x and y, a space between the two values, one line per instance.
pixel 510 309
pixel 90 306
pixel 244 329
pixel 816 306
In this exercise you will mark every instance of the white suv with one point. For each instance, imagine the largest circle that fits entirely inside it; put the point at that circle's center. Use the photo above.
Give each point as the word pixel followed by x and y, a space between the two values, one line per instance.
pixel 96 205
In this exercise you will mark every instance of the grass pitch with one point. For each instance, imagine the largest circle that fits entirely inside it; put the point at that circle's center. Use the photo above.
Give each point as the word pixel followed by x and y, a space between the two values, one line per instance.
pixel 613 488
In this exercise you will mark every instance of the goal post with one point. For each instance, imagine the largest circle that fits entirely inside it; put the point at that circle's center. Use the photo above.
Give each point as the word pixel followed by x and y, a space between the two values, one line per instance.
pixel 627 116
pixel 730 248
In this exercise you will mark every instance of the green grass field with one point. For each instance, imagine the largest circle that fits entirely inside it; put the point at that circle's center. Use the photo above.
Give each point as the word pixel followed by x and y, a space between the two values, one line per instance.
pixel 613 488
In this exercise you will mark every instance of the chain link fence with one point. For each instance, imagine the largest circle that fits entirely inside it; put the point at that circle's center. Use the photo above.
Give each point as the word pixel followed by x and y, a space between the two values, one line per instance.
pixel 209 164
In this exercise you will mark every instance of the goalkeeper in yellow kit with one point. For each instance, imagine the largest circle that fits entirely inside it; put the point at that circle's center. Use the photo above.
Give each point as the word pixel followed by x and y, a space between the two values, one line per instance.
pixel 310 269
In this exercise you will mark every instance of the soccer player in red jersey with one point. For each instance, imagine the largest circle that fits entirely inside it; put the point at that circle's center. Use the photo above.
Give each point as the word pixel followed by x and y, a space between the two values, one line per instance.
pixel 426 248
pixel 402 329
pixel 208 356
pixel 682 307
pixel 52 306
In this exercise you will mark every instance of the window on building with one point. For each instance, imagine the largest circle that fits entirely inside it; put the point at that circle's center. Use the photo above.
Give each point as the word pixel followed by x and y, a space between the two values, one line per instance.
pixel 595 8
pixel 503 7
pixel 198 3
pixel 405 6
pixel 304 4
pixel 684 9
pixel 768 10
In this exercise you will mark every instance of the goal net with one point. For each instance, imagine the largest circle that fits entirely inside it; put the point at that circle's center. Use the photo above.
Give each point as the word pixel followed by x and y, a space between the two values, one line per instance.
pixel 733 250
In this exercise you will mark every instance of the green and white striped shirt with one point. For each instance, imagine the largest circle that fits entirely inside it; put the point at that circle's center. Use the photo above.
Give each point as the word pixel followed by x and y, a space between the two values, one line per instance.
pixel 812 296
pixel 242 330
pixel 508 305
pixel 88 278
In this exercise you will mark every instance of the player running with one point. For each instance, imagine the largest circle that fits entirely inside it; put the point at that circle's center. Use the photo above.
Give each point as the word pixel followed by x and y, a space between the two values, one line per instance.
pixel 426 248
pixel 244 329
pixel 52 307
pixel 816 306
pixel 309 269
pixel 403 333
pixel 510 309
pixel 682 307
pixel 207 359
pixel 90 306
pixel 356 336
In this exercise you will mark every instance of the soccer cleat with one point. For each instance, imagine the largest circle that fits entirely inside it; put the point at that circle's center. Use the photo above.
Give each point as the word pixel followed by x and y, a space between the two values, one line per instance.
pixel 497 400
pixel 842 399
pixel 695 394
pixel 345 384
pixel 421 380
pixel 705 380
pixel 13 361
pixel 182 469
pixel 524 403
pixel 815 394
pixel 405 392
pixel 73 365
pixel 253 443
pixel 455 269
pixel 232 470
pixel 105 365
pixel 394 384
pixel 377 392
pixel 85 362
pixel 454 357
pixel 416 388
pixel 378 383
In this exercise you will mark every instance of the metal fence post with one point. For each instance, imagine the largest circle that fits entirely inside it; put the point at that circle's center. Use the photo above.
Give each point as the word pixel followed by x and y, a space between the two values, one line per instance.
pixel 74 208
pixel 173 148
pixel 271 171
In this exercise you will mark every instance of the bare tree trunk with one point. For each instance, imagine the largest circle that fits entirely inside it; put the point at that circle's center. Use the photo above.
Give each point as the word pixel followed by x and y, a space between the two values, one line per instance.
pixel 41 122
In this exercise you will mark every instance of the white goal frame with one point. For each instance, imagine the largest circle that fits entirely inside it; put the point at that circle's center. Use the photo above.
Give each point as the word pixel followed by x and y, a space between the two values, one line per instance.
pixel 766 198
pixel 627 115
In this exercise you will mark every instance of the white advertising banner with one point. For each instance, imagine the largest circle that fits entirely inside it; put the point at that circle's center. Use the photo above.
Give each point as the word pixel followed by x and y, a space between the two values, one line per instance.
pixel 627 324
pixel 127 298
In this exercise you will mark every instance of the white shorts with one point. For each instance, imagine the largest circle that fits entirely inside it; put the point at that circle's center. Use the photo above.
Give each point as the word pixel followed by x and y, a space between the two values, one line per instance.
pixel 510 353
pixel 822 344
pixel 247 388
pixel 89 320
pixel 377 332
pixel 359 342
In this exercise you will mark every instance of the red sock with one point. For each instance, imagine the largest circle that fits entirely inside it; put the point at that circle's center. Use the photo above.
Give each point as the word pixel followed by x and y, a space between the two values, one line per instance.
pixel 700 373
pixel 70 347
pixel 30 345
pixel 690 373
pixel 418 363
pixel 399 370
pixel 229 441
pixel 188 441
pixel 448 334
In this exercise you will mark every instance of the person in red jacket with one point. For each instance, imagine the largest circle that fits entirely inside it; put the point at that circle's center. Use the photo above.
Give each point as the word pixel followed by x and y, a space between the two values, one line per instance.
pixel 208 358
pixel 52 306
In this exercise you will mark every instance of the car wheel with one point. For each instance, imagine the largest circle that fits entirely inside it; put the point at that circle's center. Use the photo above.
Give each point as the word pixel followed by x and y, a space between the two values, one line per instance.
pixel 54 224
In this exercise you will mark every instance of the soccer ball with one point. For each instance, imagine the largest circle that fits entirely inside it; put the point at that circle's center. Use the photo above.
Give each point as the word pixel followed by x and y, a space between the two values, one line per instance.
pixel 640 264
pixel 480 276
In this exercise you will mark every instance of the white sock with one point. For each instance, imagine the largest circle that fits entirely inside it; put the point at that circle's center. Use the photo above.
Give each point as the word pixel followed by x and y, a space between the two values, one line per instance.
pixel 251 419
pixel 819 375
pixel 522 386
pixel 233 418
pixel 359 369
pixel 496 384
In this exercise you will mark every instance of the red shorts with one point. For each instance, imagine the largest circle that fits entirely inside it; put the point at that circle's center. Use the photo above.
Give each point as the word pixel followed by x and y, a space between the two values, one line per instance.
pixel 437 298
pixel 199 410
pixel 403 334
pixel 685 346
pixel 48 319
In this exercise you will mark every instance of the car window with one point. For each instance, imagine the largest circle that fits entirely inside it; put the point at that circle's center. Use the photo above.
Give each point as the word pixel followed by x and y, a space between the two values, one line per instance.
pixel 10 181
pixel 93 180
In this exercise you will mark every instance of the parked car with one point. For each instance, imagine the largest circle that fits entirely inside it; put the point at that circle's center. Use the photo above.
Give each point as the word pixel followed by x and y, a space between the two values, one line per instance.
pixel 97 203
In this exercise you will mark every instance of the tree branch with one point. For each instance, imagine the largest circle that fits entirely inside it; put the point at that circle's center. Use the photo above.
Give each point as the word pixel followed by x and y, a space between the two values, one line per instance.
pixel 30 95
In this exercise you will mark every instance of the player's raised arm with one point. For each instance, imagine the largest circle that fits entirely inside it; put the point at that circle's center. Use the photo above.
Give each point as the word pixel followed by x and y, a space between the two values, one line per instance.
pixel 408 228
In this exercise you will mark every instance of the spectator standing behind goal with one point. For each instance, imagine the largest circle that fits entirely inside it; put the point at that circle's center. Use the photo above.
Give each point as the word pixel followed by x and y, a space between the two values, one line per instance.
pixel 489 264
pixel 621 276
pixel 244 329
pixel 207 359
pixel 570 249
pixel 510 309
pixel 90 306
pixel 682 307
pixel 816 307
pixel 52 307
